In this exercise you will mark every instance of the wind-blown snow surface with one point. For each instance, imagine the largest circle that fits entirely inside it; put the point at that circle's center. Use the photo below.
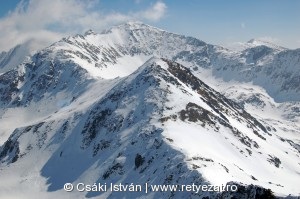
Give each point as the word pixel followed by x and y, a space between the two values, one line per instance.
pixel 86 108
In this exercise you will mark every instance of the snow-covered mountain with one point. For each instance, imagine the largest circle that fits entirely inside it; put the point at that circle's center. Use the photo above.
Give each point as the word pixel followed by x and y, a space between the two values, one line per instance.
pixel 137 104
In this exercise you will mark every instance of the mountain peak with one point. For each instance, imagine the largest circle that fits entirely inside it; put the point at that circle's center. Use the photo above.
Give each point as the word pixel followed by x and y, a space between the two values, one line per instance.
pixel 132 25
pixel 90 32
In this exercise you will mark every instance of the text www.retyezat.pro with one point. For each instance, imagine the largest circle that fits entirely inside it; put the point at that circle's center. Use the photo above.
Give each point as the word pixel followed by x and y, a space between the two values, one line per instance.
pixel 103 187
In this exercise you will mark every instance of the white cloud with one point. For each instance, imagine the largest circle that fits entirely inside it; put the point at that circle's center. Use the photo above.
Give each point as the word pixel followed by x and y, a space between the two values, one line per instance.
pixel 155 13
pixel 46 21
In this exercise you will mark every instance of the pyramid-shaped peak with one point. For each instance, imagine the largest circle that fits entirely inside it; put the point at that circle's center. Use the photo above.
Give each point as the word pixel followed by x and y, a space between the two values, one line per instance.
pixel 90 32
pixel 251 41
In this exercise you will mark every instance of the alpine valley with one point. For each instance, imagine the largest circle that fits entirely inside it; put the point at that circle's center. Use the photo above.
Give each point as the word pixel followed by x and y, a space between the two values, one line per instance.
pixel 137 104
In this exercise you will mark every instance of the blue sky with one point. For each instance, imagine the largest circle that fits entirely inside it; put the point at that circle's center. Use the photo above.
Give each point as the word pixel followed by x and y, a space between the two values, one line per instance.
pixel 214 21
pixel 7 5
pixel 230 20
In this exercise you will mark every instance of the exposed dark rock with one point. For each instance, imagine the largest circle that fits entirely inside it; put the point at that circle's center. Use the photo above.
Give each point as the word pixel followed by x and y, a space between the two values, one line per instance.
pixel 116 168
pixel 139 160
pixel 274 160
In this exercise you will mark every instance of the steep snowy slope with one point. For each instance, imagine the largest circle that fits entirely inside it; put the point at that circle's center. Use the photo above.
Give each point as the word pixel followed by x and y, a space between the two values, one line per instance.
pixel 108 139
pixel 43 85
pixel 248 148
